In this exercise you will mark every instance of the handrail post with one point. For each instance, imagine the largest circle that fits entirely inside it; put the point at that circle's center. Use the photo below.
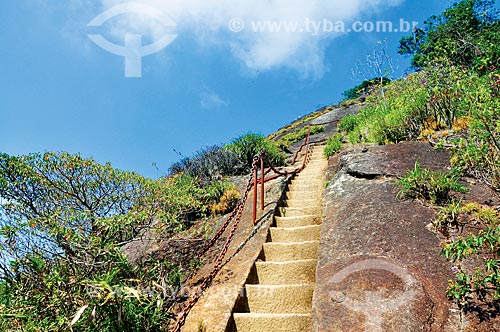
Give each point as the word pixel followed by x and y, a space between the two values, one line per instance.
pixel 255 183
pixel 305 158
pixel 262 183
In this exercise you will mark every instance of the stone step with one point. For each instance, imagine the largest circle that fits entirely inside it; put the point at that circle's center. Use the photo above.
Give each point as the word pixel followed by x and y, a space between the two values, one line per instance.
pixel 316 173
pixel 314 176
pixel 307 181
pixel 319 175
pixel 306 186
pixel 290 251
pixel 286 273
pixel 311 175
pixel 315 165
pixel 281 299
pixel 302 203
pixel 295 234
pixel 298 221
pixel 250 322
pixel 300 194
pixel 300 212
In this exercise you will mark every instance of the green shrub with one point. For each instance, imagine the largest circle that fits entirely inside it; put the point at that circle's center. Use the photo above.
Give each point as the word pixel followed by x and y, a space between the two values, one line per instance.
pixel 210 164
pixel 348 123
pixel 250 145
pixel 466 35
pixel 425 184
pixel 416 106
pixel 398 118
pixel 448 216
pixel 333 145
pixel 478 154
pixel 481 283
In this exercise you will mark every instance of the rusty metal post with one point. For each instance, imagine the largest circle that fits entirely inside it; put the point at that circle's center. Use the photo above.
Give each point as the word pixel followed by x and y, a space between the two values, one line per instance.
pixel 262 191
pixel 255 183
pixel 305 158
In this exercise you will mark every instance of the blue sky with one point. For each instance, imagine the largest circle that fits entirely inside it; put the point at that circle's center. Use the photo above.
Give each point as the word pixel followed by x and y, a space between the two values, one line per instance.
pixel 60 91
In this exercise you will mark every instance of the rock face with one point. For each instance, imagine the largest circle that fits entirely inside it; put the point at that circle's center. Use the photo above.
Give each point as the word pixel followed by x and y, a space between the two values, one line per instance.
pixel 379 267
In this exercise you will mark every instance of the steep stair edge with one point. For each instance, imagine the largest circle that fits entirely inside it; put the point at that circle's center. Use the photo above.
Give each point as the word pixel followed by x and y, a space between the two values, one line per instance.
pixel 278 296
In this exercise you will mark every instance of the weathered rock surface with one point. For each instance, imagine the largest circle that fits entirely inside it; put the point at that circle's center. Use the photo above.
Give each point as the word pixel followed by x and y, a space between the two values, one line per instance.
pixel 330 119
pixel 379 267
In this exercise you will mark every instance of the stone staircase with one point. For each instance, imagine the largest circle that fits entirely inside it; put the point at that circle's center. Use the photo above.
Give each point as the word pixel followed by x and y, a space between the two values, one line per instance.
pixel 279 293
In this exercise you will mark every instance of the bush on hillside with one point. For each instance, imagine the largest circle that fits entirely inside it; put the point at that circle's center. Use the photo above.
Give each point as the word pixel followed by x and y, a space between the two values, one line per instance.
pixel 333 145
pixel 250 145
pixel 347 123
pixel 210 164
pixel 478 154
pixel 416 106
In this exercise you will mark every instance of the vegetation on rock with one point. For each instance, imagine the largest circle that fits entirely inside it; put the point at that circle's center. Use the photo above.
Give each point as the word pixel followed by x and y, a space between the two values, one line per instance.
pixel 333 145
pixel 298 135
pixel 453 100
pixel 249 145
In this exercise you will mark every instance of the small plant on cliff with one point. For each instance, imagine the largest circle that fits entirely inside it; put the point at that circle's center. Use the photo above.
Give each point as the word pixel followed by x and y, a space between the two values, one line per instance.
pixel 348 123
pixel 298 135
pixel 478 154
pixel 333 145
pixel 227 201
pixel 482 282
pixel 474 281
pixel 448 216
pixel 426 184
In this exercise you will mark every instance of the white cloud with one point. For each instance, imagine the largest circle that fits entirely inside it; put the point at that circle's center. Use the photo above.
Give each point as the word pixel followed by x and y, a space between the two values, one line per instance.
pixel 208 21
pixel 210 100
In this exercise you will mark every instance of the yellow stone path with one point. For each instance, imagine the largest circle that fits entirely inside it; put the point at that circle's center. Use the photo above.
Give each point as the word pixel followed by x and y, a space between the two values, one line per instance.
pixel 279 295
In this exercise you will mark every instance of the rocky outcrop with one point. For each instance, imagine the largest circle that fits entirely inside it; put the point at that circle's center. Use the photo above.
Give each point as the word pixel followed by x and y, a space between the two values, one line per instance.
pixel 379 267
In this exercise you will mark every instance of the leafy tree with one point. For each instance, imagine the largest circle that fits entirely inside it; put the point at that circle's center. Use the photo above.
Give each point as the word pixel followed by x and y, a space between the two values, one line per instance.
pixel 466 34
pixel 62 196
pixel 64 221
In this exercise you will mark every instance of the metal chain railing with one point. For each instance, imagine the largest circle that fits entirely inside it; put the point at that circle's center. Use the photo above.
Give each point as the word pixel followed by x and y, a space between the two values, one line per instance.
pixel 237 213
